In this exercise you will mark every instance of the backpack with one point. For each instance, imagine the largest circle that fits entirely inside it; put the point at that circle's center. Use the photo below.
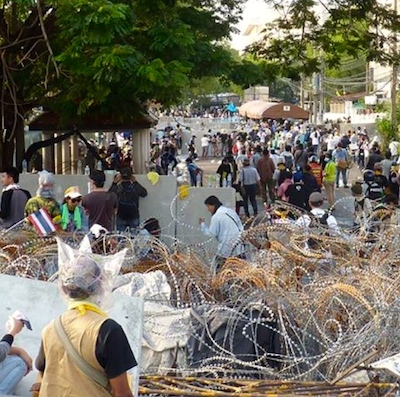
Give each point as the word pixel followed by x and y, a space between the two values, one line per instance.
pixel 289 162
pixel 313 243
pixel 127 202
pixel 359 205
pixel 324 218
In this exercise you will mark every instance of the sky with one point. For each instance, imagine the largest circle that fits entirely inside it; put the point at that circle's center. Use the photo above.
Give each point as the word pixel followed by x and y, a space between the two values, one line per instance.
pixel 254 12
pixel 257 12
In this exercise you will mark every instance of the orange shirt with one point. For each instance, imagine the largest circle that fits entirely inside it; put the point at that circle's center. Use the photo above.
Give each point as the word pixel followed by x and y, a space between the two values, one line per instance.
pixel 317 172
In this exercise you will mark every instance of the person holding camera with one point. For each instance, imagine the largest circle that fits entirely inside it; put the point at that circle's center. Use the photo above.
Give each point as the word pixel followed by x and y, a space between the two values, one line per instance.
pixel 15 362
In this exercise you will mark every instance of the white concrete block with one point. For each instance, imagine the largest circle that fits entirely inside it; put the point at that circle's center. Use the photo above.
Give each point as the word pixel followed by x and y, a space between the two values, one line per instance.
pixel 42 302
pixel 191 208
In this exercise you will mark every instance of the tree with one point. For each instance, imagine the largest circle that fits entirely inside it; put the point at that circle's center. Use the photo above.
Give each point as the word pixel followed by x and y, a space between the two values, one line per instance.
pixel 311 34
pixel 106 56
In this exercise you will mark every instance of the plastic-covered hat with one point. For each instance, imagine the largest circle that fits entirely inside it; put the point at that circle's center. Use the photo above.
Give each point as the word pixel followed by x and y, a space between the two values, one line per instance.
pixel 46 178
pixel 86 276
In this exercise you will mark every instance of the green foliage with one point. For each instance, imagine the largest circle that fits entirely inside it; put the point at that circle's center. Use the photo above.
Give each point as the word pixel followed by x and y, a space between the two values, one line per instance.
pixel 350 29
pixel 387 132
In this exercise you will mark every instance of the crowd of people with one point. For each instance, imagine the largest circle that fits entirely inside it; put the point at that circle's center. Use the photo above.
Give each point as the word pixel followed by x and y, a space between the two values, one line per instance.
pixel 116 208
pixel 286 161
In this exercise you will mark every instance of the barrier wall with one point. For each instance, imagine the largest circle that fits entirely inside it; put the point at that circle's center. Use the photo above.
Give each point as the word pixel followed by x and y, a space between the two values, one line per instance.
pixel 191 208
pixel 41 302
pixel 178 218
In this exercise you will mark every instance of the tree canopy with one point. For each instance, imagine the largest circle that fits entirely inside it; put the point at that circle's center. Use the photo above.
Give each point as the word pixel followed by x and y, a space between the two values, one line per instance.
pixel 311 33
pixel 111 56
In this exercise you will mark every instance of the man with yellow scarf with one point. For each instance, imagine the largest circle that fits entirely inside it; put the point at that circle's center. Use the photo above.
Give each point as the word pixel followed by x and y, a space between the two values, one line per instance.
pixel 84 353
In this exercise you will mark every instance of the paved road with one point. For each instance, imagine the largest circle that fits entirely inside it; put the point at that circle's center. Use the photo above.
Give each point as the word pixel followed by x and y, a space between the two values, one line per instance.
pixel 344 202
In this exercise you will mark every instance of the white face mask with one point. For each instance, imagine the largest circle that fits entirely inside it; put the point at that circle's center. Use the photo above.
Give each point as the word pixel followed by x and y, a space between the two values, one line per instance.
pixel 327 158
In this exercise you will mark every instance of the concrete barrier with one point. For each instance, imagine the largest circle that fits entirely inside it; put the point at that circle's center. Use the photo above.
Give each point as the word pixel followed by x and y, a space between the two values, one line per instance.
pixel 191 208
pixel 177 220
pixel 42 302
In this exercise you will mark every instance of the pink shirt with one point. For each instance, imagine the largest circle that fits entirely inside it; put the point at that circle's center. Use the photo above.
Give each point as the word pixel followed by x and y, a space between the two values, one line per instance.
pixel 282 189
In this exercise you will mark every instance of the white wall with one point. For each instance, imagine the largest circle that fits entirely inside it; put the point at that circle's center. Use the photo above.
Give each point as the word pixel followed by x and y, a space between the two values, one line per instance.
pixel 190 209
pixel 182 222
pixel 41 302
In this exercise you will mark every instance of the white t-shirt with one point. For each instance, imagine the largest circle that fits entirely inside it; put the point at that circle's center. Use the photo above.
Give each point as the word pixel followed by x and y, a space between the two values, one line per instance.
pixel 204 141
pixel 226 227
pixel 305 220
pixel 262 135
pixel 315 138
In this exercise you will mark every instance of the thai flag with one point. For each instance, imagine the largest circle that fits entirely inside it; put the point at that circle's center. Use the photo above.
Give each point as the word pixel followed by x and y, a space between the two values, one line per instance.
pixel 42 222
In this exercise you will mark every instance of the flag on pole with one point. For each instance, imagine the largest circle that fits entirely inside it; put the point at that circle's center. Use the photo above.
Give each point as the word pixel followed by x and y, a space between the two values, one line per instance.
pixel 42 222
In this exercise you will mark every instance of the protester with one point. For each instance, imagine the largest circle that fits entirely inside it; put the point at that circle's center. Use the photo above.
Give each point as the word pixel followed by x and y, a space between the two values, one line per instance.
pixel 288 156
pixel 13 198
pixel 225 172
pixel 250 181
pixel 394 187
pixel 329 179
pixel 372 189
pixel 129 191
pixel 381 179
pixel 226 227
pixel 266 168
pixel 205 142
pixel 362 205
pixel 150 229
pixel 300 156
pixel 310 181
pixel 45 197
pixel 340 157
pixel 374 157
pixel 287 180
pixel 168 161
pixel 73 218
pixel 386 164
pixel 316 202
pixel 100 342
pixel 297 193
pixel 194 171
pixel 316 169
pixel 15 362
pixel 100 205
pixel 277 173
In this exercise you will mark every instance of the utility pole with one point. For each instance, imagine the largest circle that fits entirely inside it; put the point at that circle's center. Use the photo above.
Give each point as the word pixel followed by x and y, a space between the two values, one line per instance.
pixel 395 71
pixel 302 91
pixel 321 91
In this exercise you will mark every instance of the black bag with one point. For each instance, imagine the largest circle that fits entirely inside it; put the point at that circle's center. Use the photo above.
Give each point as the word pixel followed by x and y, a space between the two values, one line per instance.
pixel 312 242
pixel 127 201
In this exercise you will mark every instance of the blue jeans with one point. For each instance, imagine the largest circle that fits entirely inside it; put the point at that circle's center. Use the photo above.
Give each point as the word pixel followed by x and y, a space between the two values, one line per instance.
pixel 344 176
pixel 123 224
pixel 12 370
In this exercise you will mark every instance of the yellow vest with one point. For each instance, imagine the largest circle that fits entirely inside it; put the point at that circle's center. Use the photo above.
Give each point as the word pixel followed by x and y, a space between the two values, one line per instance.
pixel 62 378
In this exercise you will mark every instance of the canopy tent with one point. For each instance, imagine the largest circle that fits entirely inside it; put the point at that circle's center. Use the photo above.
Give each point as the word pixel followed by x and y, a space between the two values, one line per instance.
pixel 272 110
